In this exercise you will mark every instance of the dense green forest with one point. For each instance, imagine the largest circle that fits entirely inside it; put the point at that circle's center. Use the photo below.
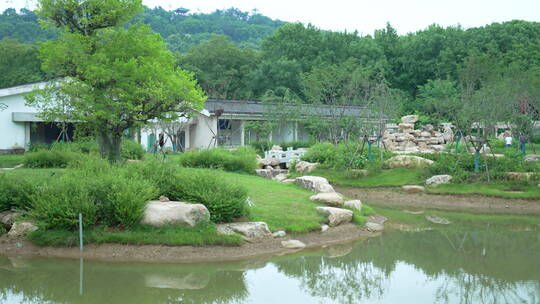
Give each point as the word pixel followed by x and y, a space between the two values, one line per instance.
pixel 241 55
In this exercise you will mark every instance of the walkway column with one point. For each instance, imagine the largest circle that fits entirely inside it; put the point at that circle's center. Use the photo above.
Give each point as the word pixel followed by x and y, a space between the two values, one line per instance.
pixel 187 144
pixel 242 132
pixel 295 131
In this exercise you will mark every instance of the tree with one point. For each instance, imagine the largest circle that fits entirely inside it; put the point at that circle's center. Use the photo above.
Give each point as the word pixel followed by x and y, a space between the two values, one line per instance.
pixel 114 78
pixel 19 63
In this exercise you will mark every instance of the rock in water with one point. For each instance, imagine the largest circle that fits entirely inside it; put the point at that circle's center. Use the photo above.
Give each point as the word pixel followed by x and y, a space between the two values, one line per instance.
pixel 279 234
pixel 411 189
pixel 375 227
pixel 329 198
pixel 21 229
pixel 304 167
pixel 437 220
pixel 314 183
pixel 159 214
pixel 353 204
pixel 438 180
pixel 249 230
pixel 293 244
pixel 336 216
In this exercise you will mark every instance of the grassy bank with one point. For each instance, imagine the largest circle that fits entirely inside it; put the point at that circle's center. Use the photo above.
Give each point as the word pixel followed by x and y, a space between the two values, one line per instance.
pixel 143 235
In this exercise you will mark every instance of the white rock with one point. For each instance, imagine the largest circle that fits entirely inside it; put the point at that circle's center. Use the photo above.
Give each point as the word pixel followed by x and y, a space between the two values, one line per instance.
pixel 314 183
pixel 279 234
pixel 406 126
pixel 329 198
pixel 19 229
pixel 375 227
pixel 281 177
pixel 293 244
pixel 304 167
pixel 336 216
pixel 409 119
pixel 276 148
pixel 159 214
pixel 353 204
pixel 7 218
pixel 532 157
pixel 324 228
pixel 249 230
pixel 438 180
pixel 408 161
pixel 413 189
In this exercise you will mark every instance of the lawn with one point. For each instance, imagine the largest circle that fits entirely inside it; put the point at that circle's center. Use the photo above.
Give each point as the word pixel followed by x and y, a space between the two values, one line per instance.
pixel 383 178
pixel 11 160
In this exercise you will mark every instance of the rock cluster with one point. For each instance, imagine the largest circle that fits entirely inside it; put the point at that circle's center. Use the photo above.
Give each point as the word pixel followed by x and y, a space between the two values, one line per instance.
pixel 15 229
pixel 314 183
pixel 404 138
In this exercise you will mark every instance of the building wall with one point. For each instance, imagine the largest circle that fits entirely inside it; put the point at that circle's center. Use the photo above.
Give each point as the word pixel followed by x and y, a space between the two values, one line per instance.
pixel 203 132
pixel 12 133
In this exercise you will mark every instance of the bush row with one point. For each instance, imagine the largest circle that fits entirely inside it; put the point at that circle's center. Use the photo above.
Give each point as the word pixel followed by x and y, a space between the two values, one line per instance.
pixel 265 145
pixel 60 154
pixel 342 156
pixel 114 195
pixel 239 160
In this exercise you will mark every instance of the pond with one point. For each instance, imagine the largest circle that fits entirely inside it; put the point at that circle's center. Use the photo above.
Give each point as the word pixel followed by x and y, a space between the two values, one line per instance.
pixel 437 266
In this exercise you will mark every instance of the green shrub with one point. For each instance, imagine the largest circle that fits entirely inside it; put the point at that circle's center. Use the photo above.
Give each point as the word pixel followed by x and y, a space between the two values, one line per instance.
pixel 131 150
pixel 261 146
pixel 2 229
pixel 48 159
pixel 342 156
pixel 242 159
pixel 16 190
pixel 224 200
pixel 58 204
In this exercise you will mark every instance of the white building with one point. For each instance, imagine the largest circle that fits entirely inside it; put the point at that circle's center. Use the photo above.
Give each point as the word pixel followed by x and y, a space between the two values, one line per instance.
pixel 221 123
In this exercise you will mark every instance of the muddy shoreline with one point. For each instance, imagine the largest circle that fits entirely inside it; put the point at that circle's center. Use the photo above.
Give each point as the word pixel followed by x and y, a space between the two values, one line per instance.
pixel 386 197
pixel 187 254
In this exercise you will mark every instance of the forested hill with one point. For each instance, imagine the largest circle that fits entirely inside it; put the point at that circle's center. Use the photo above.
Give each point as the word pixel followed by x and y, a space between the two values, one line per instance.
pixel 255 57
pixel 180 28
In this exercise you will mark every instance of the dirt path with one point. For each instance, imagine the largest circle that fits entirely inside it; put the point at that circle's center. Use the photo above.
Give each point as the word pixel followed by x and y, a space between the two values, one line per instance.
pixel 187 254
pixel 468 203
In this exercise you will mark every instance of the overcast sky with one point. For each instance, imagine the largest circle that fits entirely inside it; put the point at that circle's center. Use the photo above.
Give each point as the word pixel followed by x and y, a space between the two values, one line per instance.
pixel 364 15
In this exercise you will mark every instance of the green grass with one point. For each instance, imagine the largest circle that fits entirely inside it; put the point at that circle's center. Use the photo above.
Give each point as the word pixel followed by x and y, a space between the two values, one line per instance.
pixel 383 178
pixel 497 189
pixel 11 160
pixel 284 206
pixel 459 219
pixel 144 235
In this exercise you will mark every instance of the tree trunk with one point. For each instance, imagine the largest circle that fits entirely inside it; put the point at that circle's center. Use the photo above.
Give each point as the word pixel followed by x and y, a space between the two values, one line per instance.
pixel 110 146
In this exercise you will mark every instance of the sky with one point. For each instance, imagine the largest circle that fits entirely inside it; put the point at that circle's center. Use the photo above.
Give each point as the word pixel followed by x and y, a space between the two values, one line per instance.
pixel 364 16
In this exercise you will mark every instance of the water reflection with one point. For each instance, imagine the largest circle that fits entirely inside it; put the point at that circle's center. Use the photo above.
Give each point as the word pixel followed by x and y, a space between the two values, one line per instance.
pixel 445 266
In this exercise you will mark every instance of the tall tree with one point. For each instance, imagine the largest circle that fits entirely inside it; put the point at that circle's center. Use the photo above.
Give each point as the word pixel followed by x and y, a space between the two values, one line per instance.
pixel 115 78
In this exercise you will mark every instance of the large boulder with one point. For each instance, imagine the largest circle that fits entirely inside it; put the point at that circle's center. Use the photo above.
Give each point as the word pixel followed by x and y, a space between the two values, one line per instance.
pixel 304 167
pixel 272 173
pixel 408 161
pixel 7 218
pixel 336 216
pixel 272 162
pixel 19 229
pixel 248 230
pixel 438 180
pixel 411 119
pixel 411 189
pixel 159 214
pixel 314 183
pixel 353 204
pixel 329 198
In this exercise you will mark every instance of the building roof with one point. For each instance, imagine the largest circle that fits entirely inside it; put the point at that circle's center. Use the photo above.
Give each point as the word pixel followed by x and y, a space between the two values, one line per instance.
pixel 257 108
pixel 21 89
